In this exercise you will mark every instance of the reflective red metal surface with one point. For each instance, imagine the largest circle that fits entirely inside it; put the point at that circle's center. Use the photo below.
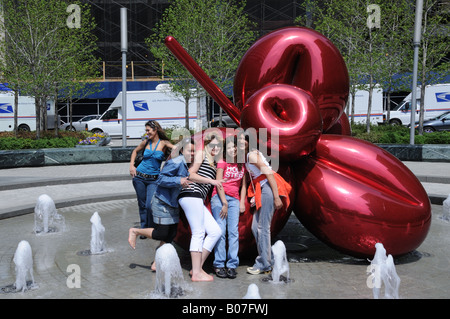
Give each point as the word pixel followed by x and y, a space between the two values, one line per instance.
pixel 352 194
pixel 299 57
pixel 349 193
pixel 292 112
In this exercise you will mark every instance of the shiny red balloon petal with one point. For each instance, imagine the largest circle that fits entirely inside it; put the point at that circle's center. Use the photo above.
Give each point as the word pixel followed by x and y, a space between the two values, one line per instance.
pixel 292 112
pixel 300 57
pixel 353 194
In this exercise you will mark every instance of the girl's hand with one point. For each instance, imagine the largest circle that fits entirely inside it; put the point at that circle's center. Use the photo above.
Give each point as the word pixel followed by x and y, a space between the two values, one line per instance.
pixel 277 202
pixel 241 208
pixel 132 171
pixel 218 183
pixel 184 181
pixel 224 212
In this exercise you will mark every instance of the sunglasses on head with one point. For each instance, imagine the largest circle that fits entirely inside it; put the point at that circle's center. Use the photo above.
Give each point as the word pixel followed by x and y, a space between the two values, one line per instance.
pixel 151 124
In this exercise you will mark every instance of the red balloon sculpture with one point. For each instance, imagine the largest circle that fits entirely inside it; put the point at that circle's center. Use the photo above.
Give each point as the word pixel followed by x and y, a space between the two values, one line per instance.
pixel 349 193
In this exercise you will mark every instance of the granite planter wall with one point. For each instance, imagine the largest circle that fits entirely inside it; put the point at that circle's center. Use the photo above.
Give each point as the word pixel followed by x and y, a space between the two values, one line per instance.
pixel 68 156
pixel 63 156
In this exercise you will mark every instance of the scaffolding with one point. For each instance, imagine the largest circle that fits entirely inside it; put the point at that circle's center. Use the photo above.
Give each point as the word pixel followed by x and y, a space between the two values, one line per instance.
pixel 142 18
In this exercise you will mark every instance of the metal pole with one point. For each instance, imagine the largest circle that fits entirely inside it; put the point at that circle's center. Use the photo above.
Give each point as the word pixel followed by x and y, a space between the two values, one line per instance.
pixel 124 49
pixel 416 42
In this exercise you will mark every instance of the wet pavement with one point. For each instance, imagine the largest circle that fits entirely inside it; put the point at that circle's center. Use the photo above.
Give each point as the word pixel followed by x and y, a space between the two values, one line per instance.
pixel 316 271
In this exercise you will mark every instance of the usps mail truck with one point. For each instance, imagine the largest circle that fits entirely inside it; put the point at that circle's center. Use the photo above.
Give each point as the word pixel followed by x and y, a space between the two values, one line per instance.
pixel 142 106
pixel 437 101
pixel 26 117
pixel 362 106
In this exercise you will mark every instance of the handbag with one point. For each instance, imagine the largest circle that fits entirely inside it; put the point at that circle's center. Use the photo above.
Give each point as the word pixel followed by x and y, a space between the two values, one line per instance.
pixel 140 155
pixel 252 199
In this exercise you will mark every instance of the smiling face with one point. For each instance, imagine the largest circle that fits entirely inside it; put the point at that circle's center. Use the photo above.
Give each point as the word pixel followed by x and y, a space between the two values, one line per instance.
pixel 231 150
pixel 242 143
pixel 188 152
pixel 151 132
pixel 214 147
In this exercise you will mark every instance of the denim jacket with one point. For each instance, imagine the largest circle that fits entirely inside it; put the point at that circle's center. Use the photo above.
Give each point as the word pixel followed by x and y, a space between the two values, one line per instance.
pixel 168 182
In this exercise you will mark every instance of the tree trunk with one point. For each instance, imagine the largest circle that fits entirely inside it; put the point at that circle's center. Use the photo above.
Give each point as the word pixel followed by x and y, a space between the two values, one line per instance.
pixel 388 107
pixel 186 109
pixel 16 113
pixel 38 117
pixel 369 106
pixel 56 113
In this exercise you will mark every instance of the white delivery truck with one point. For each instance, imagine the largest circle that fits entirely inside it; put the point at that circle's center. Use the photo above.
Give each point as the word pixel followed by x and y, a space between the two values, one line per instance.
pixel 26 117
pixel 159 105
pixel 437 101
pixel 362 106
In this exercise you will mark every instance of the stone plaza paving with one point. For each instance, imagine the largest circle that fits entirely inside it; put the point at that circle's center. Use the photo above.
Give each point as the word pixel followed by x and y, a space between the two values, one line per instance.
pixel 316 271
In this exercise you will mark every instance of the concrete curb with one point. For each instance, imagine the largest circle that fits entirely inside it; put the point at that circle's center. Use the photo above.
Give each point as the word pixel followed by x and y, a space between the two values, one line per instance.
pixel 103 154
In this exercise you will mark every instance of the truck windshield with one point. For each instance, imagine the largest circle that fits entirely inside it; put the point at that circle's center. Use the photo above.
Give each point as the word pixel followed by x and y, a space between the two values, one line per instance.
pixel 405 106
pixel 110 114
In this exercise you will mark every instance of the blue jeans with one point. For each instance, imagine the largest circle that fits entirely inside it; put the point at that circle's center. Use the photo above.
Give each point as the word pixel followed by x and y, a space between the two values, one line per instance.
pixel 262 219
pixel 145 188
pixel 232 221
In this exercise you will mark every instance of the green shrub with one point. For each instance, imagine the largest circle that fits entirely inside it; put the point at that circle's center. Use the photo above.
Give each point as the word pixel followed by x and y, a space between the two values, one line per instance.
pixel 27 140
pixel 388 134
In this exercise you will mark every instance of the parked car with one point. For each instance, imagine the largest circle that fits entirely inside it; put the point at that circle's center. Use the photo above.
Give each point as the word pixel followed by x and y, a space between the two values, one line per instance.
pixel 226 122
pixel 79 125
pixel 439 123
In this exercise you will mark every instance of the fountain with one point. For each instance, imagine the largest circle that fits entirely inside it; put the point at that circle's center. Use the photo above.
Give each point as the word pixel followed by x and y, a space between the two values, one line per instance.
pixel 46 219
pixel 23 260
pixel 97 235
pixel 169 277
pixel 252 292
pixel 383 270
pixel 446 209
pixel 281 265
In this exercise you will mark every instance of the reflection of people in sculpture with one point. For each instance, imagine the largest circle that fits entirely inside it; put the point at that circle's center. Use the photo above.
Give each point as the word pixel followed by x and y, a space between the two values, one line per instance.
pixel 204 229
pixel 226 204
pixel 267 200
pixel 173 176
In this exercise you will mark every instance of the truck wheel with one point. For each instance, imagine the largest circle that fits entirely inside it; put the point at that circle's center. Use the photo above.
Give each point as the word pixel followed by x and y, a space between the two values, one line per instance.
pixel 70 128
pixel 96 130
pixel 395 122
pixel 24 128
pixel 429 129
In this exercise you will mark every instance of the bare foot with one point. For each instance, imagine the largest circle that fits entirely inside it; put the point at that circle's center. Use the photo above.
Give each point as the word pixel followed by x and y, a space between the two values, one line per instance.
pixel 202 276
pixel 132 237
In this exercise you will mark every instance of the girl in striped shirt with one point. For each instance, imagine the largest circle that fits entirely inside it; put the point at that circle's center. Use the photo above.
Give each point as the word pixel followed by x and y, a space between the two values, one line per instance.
pixel 205 230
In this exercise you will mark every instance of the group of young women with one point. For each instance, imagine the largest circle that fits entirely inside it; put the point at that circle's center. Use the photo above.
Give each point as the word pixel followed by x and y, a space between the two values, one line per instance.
pixel 185 181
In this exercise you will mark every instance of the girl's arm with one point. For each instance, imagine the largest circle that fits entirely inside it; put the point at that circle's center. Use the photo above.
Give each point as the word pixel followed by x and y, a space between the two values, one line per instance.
pixel 194 177
pixel 270 178
pixel 138 148
pixel 221 193
pixel 243 194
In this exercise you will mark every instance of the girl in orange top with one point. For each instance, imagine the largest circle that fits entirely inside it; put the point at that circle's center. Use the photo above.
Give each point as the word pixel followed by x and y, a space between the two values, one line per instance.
pixel 267 187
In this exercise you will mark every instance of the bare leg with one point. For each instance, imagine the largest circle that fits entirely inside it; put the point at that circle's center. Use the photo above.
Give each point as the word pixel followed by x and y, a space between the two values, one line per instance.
pixel 134 232
pixel 198 274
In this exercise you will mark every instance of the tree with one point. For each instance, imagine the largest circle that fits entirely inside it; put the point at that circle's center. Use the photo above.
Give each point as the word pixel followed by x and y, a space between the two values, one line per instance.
pixel 435 46
pixel 42 53
pixel 215 33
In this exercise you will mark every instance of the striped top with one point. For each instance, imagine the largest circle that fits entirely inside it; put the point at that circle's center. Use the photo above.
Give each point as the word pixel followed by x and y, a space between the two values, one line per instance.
pixel 198 189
